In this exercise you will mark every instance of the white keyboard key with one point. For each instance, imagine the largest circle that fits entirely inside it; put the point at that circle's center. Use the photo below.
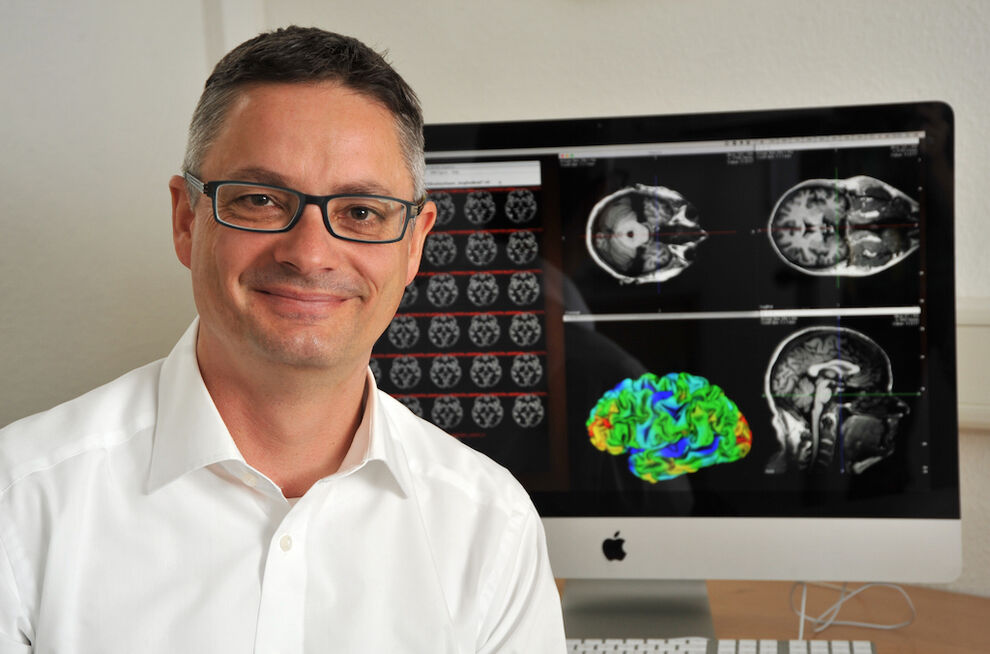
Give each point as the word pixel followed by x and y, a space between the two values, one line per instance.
pixel 862 647
pixel 747 647
pixel 841 647
pixel 797 647
pixel 726 647
pixel 819 647
pixel 768 647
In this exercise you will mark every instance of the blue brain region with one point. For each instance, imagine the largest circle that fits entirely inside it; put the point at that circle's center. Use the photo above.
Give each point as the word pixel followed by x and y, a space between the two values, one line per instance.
pixel 669 425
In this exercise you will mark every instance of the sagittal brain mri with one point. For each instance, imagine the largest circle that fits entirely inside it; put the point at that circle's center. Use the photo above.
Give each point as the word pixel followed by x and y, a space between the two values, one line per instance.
pixel 445 372
pixel 522 248
pixel 669 426
pixel 447 412
pixel 520 206
pixel 440 249
pixel 481 249
pixel 525 329
pixel 527 411
pixel 483 330
pixel 829 391
pixel 482 289
pixel 486 371
pixel 479 207
pixel 445 207
pixel 441 290
pixel 852 227
pixel 403 332
pixel 524 288
pixel 643 234
pixel 443 331
pixel 487 411
pixel 405 372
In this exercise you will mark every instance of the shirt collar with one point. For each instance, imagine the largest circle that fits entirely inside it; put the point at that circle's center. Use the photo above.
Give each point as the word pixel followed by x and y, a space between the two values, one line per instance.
pixel 190 434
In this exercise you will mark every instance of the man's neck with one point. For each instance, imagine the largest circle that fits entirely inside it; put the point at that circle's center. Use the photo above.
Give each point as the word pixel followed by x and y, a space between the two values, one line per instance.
pixel 295 426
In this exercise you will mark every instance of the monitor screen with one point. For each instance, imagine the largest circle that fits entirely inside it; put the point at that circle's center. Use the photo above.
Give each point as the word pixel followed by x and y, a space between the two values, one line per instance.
pixel 710 346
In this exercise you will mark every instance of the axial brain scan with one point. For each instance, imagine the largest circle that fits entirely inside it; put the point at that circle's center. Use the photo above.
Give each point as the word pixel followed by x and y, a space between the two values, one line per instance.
pixel 643 234
pixel 481 249
pixel 479 208
pixel 445 207
pixel 669 425
pixel 440 249
pixel 829 393
pixel 520 206
pixel 852 227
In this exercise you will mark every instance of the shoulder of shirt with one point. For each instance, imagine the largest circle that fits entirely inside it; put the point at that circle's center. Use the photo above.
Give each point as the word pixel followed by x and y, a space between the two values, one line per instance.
pixel 434 456
pixel 100 419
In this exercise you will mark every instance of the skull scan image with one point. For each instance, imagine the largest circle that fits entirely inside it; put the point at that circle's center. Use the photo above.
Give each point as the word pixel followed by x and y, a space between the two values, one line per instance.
pixel 643 234
pixel 852 227
pixel 829 393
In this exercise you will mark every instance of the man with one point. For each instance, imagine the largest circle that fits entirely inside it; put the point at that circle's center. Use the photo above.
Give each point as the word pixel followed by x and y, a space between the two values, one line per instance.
pixel 254 491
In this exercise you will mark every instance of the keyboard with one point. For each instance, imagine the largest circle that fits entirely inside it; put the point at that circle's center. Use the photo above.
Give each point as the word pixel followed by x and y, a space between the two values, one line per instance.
pixel 716 646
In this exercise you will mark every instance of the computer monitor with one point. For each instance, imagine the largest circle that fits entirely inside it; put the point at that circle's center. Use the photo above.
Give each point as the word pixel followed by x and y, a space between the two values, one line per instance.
pixel 710 346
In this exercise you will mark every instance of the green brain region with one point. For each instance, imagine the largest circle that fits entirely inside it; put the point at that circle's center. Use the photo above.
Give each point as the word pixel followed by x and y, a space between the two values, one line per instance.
pixel 669 425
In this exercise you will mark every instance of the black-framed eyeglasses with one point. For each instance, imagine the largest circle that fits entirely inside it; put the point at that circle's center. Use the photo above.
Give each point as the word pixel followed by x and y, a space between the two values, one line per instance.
pixel 358 217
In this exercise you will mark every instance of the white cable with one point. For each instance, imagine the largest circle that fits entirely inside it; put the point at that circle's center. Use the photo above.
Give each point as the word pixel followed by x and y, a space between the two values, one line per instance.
pixel 828 617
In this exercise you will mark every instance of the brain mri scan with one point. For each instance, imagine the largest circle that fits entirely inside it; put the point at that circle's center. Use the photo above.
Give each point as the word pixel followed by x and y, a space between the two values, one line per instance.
pixel 525 329
pixel 487 411
pixel 829 393
pixel 669 425
pixel 479 208
pixel 413 404
pixel 486 371
pixel 403 332
pixel 522 248
pixel 409 296
pixel 527 411
pixel 440 249
pixel 852 227
pixel 445 207
pixel 447 412
pixel 441 290
pixel 526 370
pixel 520 206
pixel 481 249
pixel 445 372
pixel 482 289
pixel 524 288
pixel 405 372
pixel 376 370
pixel 483 330
pixel 643 234
pixel 443 331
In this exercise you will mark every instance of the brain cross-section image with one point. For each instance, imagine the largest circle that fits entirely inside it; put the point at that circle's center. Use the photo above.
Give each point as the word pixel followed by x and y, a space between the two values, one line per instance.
pixel 669 426
pixel 851 227
pixel 829 390
pixel 643 234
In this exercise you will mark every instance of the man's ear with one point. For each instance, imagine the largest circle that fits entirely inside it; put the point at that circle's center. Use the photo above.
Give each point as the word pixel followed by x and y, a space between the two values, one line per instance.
pixel 421 227
pixel 182 219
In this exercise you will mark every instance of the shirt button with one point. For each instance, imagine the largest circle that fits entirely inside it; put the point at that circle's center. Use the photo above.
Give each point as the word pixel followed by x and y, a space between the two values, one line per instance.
pixel 285 542
pixel 249 480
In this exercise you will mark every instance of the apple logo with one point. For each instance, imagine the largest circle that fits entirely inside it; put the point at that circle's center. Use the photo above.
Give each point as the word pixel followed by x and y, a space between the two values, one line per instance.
pixel 612 547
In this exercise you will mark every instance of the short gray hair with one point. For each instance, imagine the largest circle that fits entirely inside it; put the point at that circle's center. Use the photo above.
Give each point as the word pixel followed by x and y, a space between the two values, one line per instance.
pixel 308 54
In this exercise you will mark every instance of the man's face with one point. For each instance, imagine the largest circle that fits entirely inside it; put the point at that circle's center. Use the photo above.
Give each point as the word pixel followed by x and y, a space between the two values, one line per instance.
pixel 301 298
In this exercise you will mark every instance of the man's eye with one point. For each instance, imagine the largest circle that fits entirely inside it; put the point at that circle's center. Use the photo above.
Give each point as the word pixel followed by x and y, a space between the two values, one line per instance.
pixel 257 200
pixel 362 213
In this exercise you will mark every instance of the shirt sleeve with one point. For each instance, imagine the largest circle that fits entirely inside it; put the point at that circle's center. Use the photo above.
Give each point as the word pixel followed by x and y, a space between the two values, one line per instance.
pixel 12 619
pixel 524 614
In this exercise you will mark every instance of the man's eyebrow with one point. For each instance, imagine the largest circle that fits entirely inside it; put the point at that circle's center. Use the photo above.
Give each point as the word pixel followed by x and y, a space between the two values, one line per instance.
pixel 266 176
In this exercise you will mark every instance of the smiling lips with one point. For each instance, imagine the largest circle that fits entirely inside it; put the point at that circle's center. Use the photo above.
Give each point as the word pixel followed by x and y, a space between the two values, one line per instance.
pixel 295 303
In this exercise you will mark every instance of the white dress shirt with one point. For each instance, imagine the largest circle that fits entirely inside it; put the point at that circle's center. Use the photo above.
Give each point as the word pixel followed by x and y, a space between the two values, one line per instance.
pixel 129 522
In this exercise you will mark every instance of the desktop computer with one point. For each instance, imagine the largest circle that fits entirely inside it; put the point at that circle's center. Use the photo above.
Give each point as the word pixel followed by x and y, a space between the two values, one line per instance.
pixel 711 346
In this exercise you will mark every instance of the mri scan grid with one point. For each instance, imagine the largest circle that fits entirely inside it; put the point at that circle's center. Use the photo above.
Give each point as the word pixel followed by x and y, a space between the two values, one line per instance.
pixel 467 347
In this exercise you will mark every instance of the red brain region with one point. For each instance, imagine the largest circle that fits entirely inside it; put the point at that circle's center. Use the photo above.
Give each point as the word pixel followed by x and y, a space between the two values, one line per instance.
pixel 855 227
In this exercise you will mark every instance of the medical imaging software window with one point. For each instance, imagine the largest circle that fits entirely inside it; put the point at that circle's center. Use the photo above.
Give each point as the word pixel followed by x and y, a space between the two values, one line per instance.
pixel 680 328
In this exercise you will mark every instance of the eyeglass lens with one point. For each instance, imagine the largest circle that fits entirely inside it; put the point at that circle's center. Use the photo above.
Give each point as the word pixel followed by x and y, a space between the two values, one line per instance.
pixel 271 209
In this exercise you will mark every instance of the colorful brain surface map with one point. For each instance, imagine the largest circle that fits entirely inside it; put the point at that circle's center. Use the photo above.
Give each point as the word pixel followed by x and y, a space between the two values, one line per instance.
pixel 669 425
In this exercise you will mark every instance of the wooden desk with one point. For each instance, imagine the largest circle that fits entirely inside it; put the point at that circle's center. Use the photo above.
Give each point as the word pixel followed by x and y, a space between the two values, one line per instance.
pixel 946 623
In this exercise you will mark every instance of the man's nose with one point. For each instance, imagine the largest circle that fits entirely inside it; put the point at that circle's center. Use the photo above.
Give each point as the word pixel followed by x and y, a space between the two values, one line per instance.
pixel 308 247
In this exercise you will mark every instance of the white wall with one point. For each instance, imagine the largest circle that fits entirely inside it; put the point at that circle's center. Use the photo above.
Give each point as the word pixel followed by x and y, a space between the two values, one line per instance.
pixel 96 97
